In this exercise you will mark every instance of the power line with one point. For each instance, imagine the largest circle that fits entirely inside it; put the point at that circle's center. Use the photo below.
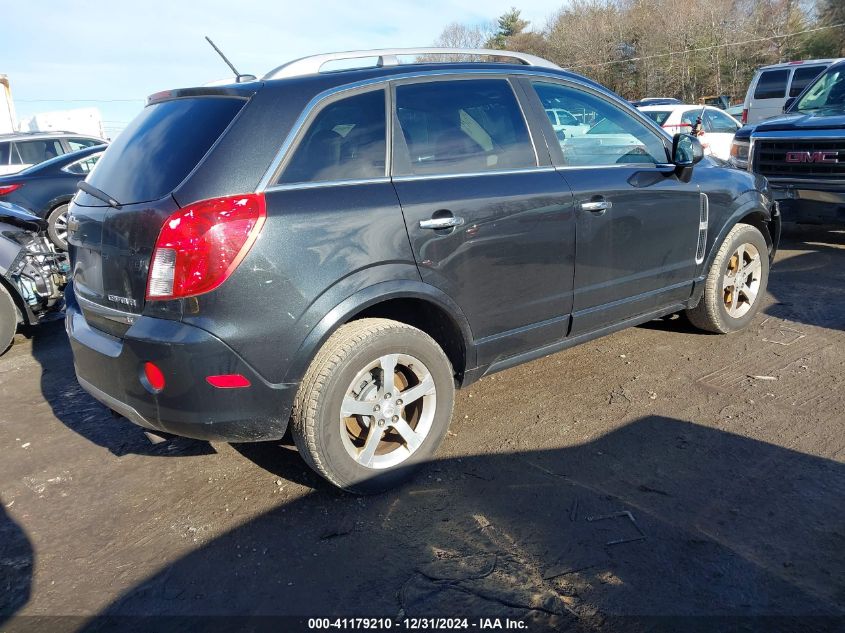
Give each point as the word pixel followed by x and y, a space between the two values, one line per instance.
pixel 79 100
pixel 706 48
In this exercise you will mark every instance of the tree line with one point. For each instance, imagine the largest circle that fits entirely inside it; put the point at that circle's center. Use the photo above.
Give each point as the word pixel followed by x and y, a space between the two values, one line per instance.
pixel 686 49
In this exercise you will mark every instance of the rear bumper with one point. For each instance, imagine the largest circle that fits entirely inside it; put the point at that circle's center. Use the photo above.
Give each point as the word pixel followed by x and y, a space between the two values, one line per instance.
pixel 110 369
pixel 814 202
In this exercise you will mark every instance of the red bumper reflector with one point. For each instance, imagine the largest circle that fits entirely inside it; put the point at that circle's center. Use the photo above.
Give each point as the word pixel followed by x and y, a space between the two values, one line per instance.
pixel 154 376
pixel 228 381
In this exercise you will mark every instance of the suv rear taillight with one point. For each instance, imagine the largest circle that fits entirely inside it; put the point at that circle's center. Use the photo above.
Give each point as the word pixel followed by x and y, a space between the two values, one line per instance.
pixel 200 245
pixel 744 118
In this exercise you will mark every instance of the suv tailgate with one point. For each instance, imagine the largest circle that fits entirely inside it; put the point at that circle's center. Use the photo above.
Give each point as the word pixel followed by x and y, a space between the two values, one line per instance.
pixel 111 246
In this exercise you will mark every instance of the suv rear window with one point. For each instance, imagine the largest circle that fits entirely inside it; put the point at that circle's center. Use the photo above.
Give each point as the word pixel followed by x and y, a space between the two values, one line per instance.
pixel 772 84
pixel 161 146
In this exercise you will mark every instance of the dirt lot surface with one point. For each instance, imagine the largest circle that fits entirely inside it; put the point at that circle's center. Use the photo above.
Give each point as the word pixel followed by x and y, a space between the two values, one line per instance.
pixel 656 472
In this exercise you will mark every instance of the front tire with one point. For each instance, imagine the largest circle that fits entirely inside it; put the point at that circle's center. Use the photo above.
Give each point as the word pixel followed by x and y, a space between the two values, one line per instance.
pixel 8 320
pixel 374 405
pixel 735 284
pixel 57 226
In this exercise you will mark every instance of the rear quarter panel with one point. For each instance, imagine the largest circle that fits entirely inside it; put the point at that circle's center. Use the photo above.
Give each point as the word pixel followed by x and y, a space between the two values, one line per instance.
pixel 41 195
pixel 318 247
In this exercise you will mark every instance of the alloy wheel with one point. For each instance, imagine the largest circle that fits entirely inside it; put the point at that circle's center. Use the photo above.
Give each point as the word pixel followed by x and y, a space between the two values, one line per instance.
pixel 60 226
pixel 741 281
pixel 387 411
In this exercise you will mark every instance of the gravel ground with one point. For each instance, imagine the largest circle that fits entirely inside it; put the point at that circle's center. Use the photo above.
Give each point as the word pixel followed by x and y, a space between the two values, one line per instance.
pixel 658 473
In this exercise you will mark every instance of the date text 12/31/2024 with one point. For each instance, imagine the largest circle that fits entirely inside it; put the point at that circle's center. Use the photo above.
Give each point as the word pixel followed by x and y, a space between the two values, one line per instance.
pixel 416 624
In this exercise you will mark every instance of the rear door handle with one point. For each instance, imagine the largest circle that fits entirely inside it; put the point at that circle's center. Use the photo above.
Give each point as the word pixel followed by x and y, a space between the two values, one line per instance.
pixel 596 206
pixel 441 223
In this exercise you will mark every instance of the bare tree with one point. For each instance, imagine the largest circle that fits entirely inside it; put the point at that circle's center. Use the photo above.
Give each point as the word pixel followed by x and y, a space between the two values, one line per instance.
pixel 676 48
pixel 457 35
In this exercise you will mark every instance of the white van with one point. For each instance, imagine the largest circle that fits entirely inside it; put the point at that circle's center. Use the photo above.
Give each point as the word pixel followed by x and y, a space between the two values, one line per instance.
pixel 773 85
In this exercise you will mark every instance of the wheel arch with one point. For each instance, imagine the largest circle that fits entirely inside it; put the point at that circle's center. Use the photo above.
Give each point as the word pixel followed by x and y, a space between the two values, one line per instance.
pixel 54 203
pixel 760 220
pixel 751 209
pixel 59 201
pixel 414 303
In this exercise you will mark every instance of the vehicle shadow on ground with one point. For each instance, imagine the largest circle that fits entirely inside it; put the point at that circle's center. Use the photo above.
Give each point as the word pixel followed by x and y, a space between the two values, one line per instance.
pixel 283 460
pixel 16 562
pixel 660 517
pixel 810 287
pixel 84 415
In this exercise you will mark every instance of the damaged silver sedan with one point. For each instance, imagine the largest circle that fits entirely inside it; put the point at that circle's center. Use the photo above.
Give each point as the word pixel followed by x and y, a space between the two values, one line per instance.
pixel 33 273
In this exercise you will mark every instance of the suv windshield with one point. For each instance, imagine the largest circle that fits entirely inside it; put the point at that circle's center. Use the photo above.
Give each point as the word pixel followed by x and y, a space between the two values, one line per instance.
pixel 827 93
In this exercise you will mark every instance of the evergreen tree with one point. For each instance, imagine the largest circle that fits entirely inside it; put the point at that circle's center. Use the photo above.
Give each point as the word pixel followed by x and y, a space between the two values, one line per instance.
pixel 832 12
pixel 509 24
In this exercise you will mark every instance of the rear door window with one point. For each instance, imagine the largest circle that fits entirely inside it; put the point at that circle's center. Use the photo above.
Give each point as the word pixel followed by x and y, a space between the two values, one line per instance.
pixel 658 116
pixel 34 152
pixel 161 146
pixel 80 143
pixel 347 140
pixel 802 77
pixel 772 84
pixel 84 166
pixel 719 123
pixel 461 126
pixel 688 119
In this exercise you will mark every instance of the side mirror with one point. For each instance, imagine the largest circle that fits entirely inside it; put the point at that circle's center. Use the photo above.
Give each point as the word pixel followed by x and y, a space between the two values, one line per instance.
pixel 686 152
pixel 788 103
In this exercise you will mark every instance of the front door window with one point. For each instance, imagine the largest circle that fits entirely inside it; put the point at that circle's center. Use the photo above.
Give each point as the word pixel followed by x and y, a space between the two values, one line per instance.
pixel 604 134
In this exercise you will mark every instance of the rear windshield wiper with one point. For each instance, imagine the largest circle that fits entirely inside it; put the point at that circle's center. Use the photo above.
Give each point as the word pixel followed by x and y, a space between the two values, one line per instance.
pixel 98 193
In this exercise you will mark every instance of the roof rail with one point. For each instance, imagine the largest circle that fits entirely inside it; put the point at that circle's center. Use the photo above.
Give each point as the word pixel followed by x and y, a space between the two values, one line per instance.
pixel 390 57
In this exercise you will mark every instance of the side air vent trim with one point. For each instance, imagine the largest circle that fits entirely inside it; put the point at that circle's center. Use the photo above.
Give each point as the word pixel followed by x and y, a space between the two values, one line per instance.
pixel 703 216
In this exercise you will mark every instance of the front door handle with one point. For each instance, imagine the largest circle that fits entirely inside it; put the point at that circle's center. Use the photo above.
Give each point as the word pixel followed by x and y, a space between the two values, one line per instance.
pixel 597 206
pixel 441 223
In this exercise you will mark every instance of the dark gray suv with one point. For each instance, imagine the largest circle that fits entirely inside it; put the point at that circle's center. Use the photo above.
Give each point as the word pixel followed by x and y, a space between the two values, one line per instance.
pixel 338 251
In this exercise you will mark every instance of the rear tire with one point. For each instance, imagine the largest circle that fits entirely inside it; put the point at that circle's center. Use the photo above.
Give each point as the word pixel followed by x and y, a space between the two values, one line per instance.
pixel 57 226
pixel 8 320
pixel 347 395
pixel 735 284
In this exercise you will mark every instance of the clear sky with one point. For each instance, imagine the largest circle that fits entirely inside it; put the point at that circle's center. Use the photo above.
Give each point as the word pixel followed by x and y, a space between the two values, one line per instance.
pixel 63 54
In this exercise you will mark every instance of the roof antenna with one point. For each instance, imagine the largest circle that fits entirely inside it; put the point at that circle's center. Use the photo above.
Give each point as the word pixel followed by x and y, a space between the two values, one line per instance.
pixel 239 78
